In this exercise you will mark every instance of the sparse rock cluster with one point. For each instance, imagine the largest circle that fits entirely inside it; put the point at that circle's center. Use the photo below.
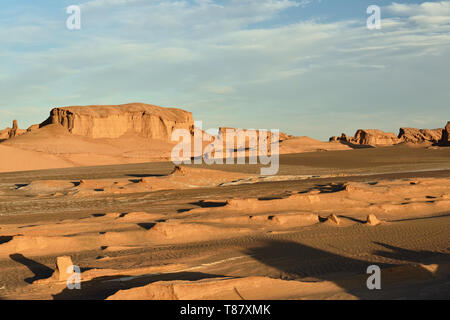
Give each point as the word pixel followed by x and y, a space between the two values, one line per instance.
pixel 369 137
pixel 406 135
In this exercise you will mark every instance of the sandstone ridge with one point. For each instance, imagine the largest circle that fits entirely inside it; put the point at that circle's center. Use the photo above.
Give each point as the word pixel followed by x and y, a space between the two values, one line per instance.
pixel 113 121
pixel 376 137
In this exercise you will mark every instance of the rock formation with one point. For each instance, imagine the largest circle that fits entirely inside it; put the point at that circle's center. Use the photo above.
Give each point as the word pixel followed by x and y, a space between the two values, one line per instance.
pixel 145 120
pixel 445 141
pixel 13 131
pixel 238 138
pixel 334 219
pixel 372 220
pixel 62 266
pixel 34 127
pixel 250 137
pixel 406 135
pixel 368 137
pixel 375 137
pixel 413 135
pixel 9 133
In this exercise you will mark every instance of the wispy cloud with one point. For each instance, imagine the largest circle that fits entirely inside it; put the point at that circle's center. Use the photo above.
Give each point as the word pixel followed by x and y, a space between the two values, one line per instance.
pixel 307 77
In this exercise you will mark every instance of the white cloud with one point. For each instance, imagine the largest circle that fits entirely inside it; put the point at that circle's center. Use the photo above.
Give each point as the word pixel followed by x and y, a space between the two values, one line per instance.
pixel 426 13
pixel 308 77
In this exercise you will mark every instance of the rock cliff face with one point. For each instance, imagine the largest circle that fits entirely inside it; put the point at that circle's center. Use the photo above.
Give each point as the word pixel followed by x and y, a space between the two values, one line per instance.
pixel 408 135
pixel 446 135
pixel 375 137
pixel 369 137
pixel 251 138
pixel 413 135
pixel 145 120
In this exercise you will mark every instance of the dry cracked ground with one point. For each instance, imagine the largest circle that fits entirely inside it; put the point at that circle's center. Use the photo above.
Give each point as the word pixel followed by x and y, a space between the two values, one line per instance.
pixel 152 231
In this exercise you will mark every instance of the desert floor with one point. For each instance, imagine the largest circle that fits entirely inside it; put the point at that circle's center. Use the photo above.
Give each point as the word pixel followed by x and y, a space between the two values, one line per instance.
pixel 142 231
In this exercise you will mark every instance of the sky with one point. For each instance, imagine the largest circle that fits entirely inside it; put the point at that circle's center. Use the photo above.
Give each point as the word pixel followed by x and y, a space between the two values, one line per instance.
pixel 305 67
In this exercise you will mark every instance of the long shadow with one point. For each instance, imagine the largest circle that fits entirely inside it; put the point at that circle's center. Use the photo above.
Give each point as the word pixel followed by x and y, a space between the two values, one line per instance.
pixel 203 204
pixel 326 188
pixel 422 256
pixel 40 271
pixel 356 146
pixel 103 287
pixel 209 204
pixel 294 261
pixel 144 175
pixel 5 239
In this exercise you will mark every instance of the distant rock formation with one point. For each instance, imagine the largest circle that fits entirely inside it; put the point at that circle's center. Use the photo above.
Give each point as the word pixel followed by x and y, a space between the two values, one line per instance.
pixel 251 138
pixel 406 135
pixel 375 137
pixel 13 131
pixel 413 135
pixel 445 141
pixel 368 137
pixel 113 121
pixel 34 127
pixel 9 133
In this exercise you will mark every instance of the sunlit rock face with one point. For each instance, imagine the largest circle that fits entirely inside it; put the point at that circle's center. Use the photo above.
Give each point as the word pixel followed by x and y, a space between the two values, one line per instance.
pixel 113 121
pixel 414 135
pixel 446 135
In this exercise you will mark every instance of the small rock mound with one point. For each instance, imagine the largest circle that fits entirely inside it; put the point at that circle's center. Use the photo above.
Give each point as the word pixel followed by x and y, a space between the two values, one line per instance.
pixel 180 171
pixel 334 219
pixel 372 220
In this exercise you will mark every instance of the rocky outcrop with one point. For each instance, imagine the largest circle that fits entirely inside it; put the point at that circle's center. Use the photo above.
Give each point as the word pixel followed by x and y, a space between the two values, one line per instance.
pixel 413 135
pixel 445 141
pixel 368 137
pixel 251 137
pixel 406 135
pixel 34 127
pixel 113 121
pixel 238 138
pixel 13 131
pixel 9 133
pixel 375 137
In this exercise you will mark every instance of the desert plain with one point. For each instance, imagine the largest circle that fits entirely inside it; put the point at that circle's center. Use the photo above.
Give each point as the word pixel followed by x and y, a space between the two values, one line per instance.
pixel 95 187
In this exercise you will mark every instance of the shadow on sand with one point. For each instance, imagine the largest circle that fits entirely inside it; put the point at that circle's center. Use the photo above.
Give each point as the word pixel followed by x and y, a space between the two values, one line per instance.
pixel 103 287
pixel 40 271
pixel 295 261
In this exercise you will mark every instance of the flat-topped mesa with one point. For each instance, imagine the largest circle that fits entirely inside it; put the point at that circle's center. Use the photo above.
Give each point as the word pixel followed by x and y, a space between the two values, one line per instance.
pixel 413 135
pixel 113 121
pixel 375 137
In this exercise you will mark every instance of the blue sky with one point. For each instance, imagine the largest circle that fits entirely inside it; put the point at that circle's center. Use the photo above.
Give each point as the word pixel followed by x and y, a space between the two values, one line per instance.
pixel 304 67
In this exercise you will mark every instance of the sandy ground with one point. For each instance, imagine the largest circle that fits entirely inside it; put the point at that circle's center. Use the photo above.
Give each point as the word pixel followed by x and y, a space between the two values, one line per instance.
pixel 54 147
pixel 147 231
